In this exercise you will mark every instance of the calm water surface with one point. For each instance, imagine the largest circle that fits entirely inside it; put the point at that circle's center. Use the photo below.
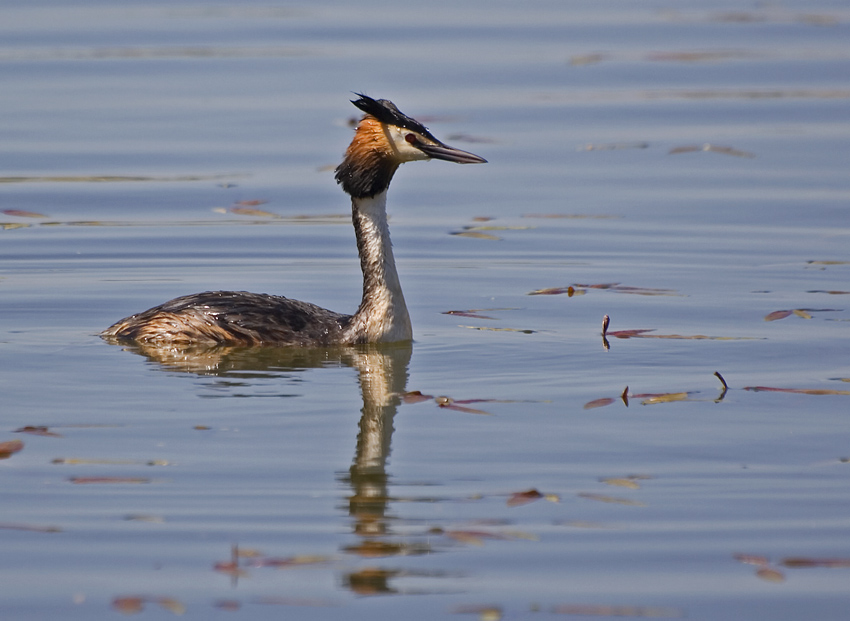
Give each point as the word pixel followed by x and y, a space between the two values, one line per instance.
pixel 695 153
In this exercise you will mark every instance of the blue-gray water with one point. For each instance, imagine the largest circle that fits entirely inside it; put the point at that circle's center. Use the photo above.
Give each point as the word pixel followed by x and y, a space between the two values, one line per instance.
pixel 699 149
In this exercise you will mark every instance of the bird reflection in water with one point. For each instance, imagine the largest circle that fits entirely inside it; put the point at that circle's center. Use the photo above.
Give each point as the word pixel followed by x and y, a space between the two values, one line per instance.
pixel 382 372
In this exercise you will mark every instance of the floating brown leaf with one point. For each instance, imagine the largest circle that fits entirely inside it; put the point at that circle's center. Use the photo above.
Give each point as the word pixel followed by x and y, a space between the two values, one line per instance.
pixel 472 314
pixel 258 213
pixel 669 397
pixel 598 403
pixel 98 480
pixel 630 483
pixel 471 537
pixel 617 287
pixel 694 57
pixel 133 604
pixel 752 559
pixel 798 391
pixel 142 517
pixel 231 568
pixel 777 315
pixel 496 228
pixel 450 404
pixel 129 605
pixel 644 334
pixel 804 562
pixel 74 461
pixel 587 59
pixel 414 396
pixel 713 148
pixel 521 498
pixel 803 313
pixel 611 499
pixel 7 449
pixel 31 528
pixel 169 603
pixel 488 329
pixel 476 235
pixel 292 561
pixel 768 574
pixel 485 613
pixel 38 431
pixel 579 289
pixel 570 291
pixel 20 213
pixel 627 334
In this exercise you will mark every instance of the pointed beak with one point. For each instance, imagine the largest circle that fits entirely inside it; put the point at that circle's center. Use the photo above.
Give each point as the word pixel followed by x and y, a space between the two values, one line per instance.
pixel 450 154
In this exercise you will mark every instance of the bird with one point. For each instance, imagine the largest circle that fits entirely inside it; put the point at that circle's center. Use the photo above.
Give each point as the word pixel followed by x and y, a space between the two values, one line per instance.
pixel 384 139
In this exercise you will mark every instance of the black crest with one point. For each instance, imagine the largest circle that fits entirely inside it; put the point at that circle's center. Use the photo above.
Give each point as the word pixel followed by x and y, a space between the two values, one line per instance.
pixel 386 112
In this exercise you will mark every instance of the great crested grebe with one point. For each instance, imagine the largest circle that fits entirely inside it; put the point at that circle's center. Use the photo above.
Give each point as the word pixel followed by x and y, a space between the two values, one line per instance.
pixel 384 139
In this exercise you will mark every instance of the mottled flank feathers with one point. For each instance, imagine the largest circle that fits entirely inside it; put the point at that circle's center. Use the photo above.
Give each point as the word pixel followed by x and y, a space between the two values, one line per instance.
pixel 234 317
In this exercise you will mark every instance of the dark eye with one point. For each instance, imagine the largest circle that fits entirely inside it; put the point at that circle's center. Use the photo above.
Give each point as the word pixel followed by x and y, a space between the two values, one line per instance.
pixel 411 138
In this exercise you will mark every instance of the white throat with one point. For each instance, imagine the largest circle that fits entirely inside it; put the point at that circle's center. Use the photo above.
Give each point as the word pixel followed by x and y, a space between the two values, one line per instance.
pixel 382 316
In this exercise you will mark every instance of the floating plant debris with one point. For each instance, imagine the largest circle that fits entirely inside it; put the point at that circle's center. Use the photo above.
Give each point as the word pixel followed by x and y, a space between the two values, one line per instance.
pixel 484 612
pixel 666 398
pixel 476 235
pixel 7 449
pixel 752 559
pixel 493 227
pixel 644 334
pixel 133 604
pixel 802 313
pixel 611 499
pixel 72 461
pixel 769 574
pixel 291 561
pixel 38 431
pixel 450 404
pixel 628 482
pixel 32 528
pixel 19 213
pixel 805 562
pixel 487 329
pixel 712 148
pixel 474 313
pixel 250 211
pixel 799 391
pixel 521 498
pixel 578 289
pixel 599 403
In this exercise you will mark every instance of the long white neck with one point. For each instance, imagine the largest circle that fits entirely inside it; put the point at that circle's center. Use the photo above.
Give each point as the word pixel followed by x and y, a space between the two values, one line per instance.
pixel 382 316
